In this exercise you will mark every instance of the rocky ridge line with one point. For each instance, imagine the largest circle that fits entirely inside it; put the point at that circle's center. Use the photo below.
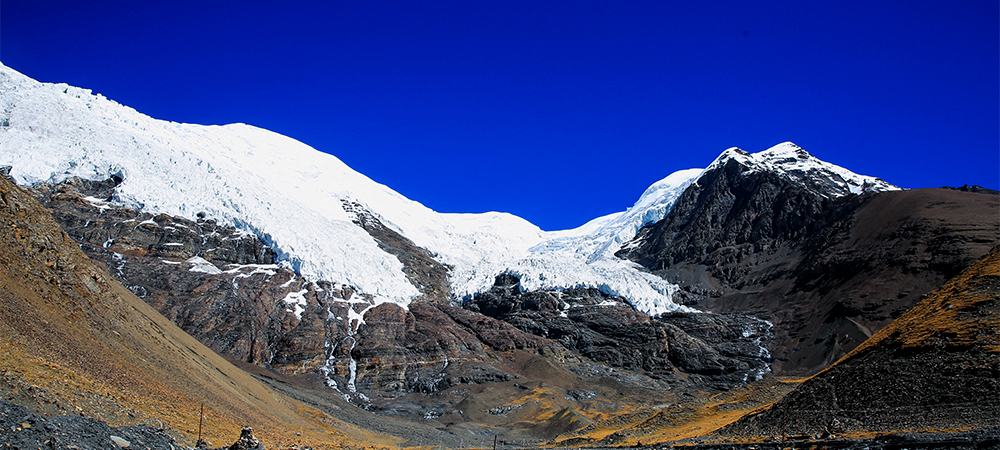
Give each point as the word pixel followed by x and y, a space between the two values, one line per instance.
pixel 827 271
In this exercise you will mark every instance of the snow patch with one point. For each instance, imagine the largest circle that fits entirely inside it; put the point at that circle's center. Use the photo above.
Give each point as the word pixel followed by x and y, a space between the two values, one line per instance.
pixel 295 303
pixel 97 203
pixel 254 269
pixel 199 264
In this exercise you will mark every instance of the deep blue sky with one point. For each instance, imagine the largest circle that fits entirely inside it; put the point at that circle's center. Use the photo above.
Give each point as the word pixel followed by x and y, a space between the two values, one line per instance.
pixel 555 111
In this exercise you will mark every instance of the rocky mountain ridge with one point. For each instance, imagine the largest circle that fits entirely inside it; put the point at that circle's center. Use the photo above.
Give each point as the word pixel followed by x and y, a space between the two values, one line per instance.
pixel 827 271
pixel 796 165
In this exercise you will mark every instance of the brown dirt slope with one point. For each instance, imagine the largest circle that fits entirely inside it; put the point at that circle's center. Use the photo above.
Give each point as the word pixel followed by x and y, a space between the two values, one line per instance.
pixel 74 341
pixel 935 368
pixel 678 418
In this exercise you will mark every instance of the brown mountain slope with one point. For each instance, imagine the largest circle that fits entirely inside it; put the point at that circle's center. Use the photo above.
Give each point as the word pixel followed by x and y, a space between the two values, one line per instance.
pixel 74 341
pixel 935 368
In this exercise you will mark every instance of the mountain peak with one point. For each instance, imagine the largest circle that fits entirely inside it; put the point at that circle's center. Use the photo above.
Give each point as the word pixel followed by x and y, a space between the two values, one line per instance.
pixel 799 166
pixel 786 151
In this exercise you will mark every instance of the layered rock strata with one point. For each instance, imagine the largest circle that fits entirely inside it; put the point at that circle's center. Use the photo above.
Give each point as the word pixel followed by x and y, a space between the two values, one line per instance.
pixel 716 350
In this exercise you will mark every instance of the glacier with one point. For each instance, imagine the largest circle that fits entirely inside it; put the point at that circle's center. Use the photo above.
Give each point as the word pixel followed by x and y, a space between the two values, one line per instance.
pixel 291 196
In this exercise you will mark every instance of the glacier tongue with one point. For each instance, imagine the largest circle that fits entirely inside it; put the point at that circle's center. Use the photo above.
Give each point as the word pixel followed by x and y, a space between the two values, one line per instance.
pixel 584 256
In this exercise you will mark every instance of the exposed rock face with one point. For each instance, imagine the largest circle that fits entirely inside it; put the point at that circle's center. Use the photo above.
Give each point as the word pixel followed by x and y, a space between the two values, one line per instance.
pixel 433 347
pixel 217 283
pixel 82 206
pixel 828 272
pixel 937 367
pixel 721 351
pixel 422 270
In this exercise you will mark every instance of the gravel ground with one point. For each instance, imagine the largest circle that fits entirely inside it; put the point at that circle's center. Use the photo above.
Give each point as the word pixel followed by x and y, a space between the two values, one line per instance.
pixel 22 429
pixel 978 439
pixel 417 434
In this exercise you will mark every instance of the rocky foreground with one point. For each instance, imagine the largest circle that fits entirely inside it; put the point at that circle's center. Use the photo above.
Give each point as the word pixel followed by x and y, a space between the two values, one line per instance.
pixel 22 429
pixel 983 438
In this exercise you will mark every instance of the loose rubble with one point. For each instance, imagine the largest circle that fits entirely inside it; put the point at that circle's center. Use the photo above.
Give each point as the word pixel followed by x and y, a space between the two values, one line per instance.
pixel 20 428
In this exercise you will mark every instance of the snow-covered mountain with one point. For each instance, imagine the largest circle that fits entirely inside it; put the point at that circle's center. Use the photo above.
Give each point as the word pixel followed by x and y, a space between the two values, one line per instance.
pixel 292 197
pixel 796 164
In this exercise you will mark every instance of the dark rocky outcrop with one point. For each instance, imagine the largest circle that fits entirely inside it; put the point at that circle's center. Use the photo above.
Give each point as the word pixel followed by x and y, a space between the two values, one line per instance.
pixel 23 429
pixel 714 350
pixel 82 208
pixel 421 269
pixel 828 272
pixel 728 215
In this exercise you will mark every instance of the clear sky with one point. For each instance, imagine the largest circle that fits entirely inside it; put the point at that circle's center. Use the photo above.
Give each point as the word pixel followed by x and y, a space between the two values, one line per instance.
pixel 557 111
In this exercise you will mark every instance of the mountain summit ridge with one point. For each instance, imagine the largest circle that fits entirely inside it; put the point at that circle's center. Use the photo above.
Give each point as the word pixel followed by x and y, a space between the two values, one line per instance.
pixel 798 165
pixel 275 187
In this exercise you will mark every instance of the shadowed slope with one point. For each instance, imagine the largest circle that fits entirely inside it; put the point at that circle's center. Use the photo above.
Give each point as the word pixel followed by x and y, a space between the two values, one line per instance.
pixel 936 368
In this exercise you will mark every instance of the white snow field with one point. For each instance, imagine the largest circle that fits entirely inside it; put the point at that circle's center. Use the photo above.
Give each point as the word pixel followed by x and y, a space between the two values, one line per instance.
pixel 291 196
